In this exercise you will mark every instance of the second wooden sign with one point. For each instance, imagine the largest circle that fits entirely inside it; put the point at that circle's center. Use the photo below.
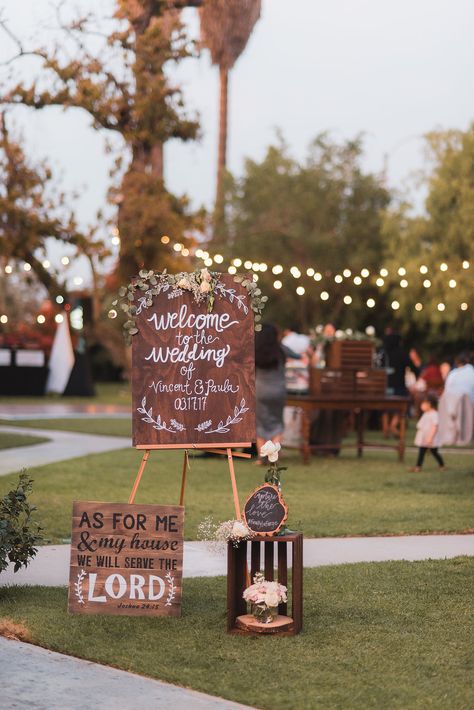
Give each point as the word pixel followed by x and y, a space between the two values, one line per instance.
pixel 265 511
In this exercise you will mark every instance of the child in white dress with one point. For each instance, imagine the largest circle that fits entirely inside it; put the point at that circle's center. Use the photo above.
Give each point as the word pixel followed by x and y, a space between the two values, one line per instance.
pixel 427 432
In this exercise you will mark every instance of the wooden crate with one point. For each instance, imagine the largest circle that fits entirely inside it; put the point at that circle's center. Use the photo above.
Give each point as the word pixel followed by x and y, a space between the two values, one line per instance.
pixel 331 382
pixel 370 382
pixel 238 578
pixel 349 354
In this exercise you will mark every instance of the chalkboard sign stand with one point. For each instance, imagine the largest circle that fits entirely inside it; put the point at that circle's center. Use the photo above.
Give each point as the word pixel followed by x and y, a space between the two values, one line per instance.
pixel 224 449
pixel 237 616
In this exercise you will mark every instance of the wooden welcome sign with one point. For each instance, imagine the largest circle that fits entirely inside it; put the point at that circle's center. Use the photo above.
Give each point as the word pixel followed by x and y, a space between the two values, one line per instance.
pixel 193 374
pixel 126 559
pixel 265 511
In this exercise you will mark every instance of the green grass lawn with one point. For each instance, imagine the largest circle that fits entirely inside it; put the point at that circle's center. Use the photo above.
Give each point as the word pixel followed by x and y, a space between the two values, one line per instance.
pixel 331 497
pixel 106 393
pixel 10 441
pixel 92 425
pixel 378 635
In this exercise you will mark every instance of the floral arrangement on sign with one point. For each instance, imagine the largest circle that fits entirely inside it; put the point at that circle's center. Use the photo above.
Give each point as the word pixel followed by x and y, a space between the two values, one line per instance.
pixel 265 596
pixel 216 534
pixel 205 286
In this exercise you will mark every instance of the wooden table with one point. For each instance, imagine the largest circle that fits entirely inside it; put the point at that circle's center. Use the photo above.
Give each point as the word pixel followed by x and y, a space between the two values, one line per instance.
pixel 359 405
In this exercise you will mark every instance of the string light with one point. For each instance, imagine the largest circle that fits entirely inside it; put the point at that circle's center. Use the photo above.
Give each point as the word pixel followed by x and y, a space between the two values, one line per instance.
pixel 379 281
pixel 115 241
pixel 452 283
pixel 59 318
pixel 370 330
pixel 295 272
pixel 365 273
pixel 357 280
pixel 443 266
pixel 310 271
pixel 65 260
pixel 255 277
pixel 46 264
pixel 370 302
pixel 423 269
pixel 418 306
pixel 177 247
pixel 300 290
pixel 232 270
pixel 237 262
pixel 27 267
pixel 166 240
pixel 346 273
pixel 4 319
pixel 324 295
pixel 278 269
pixel 465 264
pixel 384 273
pixel 277 284
pixel 263 267
pixel 441 307
pixel 256 266
pixel 464 306
pixel 395 305
pixel 347 300
pixel 40 319
pixel 401 271
pixel 59 299
pixel 8 269
pixel 218 258
pixel 317 276
pixel 247 264
pixel 199 253
pixel 208 261
pixel 426 283
pixel 338 278
pixel 403 283
pixel 185 252
pixel 112 313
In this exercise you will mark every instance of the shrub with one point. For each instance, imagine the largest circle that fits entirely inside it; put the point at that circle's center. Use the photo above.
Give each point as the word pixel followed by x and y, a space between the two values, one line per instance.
pixel 19 533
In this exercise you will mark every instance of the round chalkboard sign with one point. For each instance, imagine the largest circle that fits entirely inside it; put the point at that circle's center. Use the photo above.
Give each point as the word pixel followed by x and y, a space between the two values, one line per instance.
pixel 265 511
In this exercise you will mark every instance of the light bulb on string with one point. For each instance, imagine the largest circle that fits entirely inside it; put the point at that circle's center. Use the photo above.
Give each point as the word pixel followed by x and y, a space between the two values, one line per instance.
pixel 379 282
pixel 232 270
pixel 465 264
pixel 277 284
pixel 255 266
pixel 27 266
pixel 357 280
pixel 59 299
pixel 40 319
pixel 177 247
pixel 384 273
pixel 370 302
pixel 277 269
pixel 443 267
pixel 310 271
pixel 338 278
pixel 165 239
pixel 237 262
pixel 300 290
pixel 364 273
pixel 423 269
pixel 59 318
pixel 401 271
pixel 324 295
pixel 317 276
pixel 452 283
pixel 426 283
pixel 218 258
pixel 4 319
pixel 347 300
pixel 8 269
pixel 395 305
pixel 247 264
pixel 441 307
pixel 65 260
pixel 295 272
pixel 464 306
pixel 418 306
pixel 263 267
pixel 403 283
pixel 208 261
pixel 346 273
pixel 199 253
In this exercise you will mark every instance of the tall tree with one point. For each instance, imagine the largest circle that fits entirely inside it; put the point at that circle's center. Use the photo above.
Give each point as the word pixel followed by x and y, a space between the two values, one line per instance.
pixel 226 26
pixel 118 75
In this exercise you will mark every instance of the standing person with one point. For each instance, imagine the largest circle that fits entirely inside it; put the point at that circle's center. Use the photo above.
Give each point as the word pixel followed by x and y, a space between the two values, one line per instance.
pixel 270 385
pixel 427 437
pixel 461 379
pixel 397 359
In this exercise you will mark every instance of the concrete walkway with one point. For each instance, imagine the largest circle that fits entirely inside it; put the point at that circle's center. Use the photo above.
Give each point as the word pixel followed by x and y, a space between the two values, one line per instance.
pixel 50 567
pixel 36 679
pixel 62 445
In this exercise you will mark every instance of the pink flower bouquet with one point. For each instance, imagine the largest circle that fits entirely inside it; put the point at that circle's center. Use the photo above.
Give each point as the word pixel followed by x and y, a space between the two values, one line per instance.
pixel 265 596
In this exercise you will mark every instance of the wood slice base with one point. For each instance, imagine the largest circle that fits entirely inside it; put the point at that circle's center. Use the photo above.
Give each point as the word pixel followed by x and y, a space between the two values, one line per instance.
pixel 248 623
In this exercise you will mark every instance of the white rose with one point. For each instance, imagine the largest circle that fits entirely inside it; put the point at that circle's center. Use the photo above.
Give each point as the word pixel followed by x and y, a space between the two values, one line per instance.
pixel 183 283
pixel 271 450
pixel 239 529
pixel 205 287
pixel 205 275
pixel 271 599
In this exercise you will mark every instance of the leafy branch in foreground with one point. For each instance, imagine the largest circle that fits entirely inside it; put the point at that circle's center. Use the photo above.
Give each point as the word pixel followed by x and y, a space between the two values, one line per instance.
pixel 19 533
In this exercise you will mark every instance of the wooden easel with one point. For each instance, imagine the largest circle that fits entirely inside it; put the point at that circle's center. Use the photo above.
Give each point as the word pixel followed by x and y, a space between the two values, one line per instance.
pixel 224 449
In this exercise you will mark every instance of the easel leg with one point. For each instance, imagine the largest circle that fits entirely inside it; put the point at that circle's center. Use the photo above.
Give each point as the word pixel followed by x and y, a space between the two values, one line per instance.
pixel 139 475
pixel 234 484
pixel 183 478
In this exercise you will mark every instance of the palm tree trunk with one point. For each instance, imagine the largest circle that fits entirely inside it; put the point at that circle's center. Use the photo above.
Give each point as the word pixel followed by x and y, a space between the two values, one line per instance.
pixel 222 152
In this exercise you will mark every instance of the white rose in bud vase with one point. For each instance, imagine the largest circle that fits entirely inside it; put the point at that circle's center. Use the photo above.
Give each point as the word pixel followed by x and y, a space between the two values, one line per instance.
pixel 205 275
pixel 271 450
pixel 205 287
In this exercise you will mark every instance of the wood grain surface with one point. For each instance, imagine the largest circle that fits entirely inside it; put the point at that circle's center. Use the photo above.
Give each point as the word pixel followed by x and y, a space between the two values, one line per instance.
pixel 126 559
pixel 193 373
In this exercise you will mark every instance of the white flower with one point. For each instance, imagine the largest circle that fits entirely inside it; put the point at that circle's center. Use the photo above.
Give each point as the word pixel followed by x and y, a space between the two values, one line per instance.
pixel 239 529
pixel 205 275
pixel 205 287
pixel 271 598
pixel 184 283
pixel 271 450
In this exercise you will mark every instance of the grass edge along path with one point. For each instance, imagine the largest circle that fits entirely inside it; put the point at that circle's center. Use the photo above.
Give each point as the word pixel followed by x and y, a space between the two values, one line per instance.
pixel 345 496
pixel 385 634
pixel 13 440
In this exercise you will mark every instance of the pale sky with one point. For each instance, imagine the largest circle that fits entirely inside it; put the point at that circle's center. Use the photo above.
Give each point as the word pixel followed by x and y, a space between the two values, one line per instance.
pixel 393 70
